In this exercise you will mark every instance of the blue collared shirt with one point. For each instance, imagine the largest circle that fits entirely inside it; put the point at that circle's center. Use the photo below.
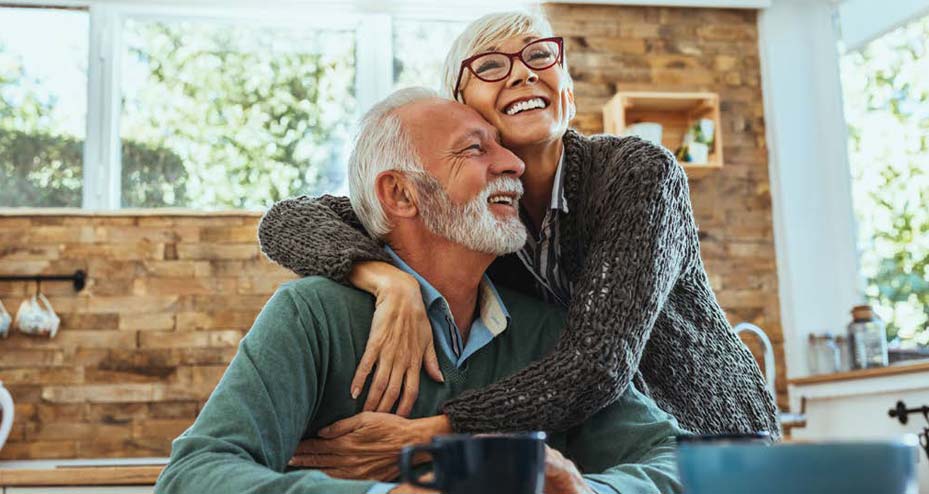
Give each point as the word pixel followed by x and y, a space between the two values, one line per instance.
pixel 492 320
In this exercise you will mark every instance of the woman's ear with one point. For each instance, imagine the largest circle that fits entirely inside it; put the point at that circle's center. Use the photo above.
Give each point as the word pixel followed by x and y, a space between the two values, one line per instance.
pixel 396 194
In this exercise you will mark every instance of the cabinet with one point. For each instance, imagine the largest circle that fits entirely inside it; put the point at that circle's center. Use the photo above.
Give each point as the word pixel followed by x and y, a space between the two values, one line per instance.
pixel 675 112
pixel 854 406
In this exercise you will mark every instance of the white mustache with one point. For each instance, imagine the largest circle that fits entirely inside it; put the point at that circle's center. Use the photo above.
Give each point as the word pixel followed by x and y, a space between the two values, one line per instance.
pixel 502 185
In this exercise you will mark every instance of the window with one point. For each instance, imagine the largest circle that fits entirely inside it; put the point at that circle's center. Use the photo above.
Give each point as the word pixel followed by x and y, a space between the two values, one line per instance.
pixel 134 105
pixel 887 107
pixel 216 115
pixel 419 51
pixel 43 105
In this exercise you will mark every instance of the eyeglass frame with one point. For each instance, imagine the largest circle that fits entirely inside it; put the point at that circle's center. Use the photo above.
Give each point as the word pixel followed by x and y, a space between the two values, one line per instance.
pixel 466 63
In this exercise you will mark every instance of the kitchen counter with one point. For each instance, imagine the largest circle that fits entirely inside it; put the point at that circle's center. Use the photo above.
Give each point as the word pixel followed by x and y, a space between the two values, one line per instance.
pixel 98 472
pixel 855 405
pixel 892 370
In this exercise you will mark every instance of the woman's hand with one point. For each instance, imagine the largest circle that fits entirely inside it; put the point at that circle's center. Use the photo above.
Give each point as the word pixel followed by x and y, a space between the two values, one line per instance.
pixel 400 342
pixel 409 489
pixel 367 445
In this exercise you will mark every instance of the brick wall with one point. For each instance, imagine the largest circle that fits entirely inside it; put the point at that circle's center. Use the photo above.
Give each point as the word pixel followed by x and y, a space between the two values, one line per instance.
pixel 142 346
pixel 612 48
pixel 145 342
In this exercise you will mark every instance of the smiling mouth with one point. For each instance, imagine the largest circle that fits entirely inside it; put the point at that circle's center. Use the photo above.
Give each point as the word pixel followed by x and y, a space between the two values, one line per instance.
pixel 525 105
pixel 504 199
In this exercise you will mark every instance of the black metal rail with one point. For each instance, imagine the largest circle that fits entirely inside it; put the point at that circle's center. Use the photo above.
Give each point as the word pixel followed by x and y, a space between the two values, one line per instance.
pixel 79 278
pixel 901 412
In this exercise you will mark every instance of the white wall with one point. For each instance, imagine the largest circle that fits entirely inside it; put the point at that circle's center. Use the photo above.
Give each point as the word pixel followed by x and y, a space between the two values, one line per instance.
pixel 810 179
pixel 857 410
pixel 864 20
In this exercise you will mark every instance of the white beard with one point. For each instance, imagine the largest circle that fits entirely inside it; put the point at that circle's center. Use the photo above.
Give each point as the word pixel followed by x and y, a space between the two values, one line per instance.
pixel 472 224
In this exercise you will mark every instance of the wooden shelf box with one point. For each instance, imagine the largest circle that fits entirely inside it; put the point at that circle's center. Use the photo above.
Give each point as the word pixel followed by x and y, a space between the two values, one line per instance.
pixel 675 112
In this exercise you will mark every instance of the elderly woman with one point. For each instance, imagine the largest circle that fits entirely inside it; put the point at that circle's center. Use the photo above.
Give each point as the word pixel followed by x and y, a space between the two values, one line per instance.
pixel 612 239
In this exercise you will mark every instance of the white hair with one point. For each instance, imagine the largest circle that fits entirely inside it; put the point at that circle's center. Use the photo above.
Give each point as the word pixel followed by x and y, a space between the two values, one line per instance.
pixel 486 32
pixel 382 144
pixel 471 224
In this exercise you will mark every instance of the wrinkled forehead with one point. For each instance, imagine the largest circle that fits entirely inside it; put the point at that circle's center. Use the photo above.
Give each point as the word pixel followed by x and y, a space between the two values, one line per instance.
pixel 439 125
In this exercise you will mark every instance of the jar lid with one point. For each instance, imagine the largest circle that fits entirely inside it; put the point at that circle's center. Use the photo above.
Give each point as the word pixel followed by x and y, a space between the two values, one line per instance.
pixel 862 312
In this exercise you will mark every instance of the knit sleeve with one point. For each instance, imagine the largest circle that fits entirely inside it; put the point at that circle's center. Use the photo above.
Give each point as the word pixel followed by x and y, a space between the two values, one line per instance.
pixel 317 236
pixel 645 238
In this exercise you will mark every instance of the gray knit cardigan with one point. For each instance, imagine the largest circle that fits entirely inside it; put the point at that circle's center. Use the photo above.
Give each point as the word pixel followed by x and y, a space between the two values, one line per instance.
pixel 641 305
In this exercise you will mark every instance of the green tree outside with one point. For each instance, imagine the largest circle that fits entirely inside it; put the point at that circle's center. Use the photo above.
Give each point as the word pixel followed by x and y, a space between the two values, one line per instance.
pixel 255 114
pixel 42 167
pixel 214 116
pixel 887 108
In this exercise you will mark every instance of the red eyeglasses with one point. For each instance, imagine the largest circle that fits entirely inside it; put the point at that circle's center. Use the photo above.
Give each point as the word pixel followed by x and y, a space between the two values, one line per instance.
pixel 495 66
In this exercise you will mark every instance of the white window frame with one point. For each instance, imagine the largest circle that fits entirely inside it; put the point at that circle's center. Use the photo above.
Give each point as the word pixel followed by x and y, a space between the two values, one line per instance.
pixel 371 21
pixel 102 171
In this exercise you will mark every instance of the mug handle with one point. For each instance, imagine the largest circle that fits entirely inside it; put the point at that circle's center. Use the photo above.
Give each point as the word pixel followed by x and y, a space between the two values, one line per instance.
pixel 52 317
pixel 406 465
pixel 6 404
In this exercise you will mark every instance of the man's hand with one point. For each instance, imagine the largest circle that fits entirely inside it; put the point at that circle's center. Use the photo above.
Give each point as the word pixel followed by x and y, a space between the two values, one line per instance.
pixel 561 476
pixel 412 489
pixel 367 445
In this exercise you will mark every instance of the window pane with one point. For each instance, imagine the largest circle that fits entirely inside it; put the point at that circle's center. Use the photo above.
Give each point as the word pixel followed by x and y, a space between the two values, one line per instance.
pixel 886 96
pixel 419 51
pixel 43 105
pixel 223 115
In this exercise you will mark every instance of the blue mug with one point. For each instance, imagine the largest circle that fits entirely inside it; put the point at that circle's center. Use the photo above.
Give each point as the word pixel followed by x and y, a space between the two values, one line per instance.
pixel 485 464
pixel 738 467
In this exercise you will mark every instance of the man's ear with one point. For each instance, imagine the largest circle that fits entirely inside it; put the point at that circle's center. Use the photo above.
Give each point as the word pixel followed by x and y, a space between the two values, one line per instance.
pixel 396 194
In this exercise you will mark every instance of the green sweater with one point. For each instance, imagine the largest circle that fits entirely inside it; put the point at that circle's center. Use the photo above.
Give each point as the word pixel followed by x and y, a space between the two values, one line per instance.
pixel 292 375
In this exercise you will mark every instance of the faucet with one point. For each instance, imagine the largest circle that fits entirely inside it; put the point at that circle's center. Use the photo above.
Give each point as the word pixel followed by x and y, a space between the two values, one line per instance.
pixel 769 373
pixel 787 420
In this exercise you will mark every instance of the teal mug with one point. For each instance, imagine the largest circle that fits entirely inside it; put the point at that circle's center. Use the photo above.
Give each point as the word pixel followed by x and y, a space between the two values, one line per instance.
pixel 740 467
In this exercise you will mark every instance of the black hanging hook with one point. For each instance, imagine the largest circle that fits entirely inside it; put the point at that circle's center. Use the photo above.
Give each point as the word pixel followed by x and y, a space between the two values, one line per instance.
pixel 901 412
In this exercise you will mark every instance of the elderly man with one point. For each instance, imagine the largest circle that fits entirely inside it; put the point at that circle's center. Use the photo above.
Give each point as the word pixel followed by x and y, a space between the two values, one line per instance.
pixel 429 177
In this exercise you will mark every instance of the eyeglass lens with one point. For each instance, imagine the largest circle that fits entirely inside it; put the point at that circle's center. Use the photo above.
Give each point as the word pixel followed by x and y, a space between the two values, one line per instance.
pixel 496 66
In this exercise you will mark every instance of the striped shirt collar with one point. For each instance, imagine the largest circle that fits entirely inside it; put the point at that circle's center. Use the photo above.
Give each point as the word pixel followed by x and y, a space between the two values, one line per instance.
pixel 542 250
pixel 559 201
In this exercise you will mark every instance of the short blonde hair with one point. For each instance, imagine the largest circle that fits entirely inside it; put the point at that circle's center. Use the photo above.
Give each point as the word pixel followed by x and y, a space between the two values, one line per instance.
pixel 486 32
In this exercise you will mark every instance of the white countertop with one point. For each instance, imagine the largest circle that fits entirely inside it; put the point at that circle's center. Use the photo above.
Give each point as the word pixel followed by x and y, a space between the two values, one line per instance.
pixel 81 463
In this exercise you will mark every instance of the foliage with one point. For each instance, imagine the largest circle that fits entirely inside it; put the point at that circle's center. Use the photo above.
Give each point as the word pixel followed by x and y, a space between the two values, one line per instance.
pixel 37 168
pixel 213 116
pixel 256 114
pixel 887 107
pixel 420 47
pixel 42 167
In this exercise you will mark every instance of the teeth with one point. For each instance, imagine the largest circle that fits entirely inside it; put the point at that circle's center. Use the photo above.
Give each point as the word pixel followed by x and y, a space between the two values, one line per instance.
pixel 501 200
pixel 525 105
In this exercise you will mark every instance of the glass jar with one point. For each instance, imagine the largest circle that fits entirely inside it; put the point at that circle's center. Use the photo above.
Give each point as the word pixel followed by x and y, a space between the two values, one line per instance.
pixel 867 339
pixel 824 354
pixel 845 355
